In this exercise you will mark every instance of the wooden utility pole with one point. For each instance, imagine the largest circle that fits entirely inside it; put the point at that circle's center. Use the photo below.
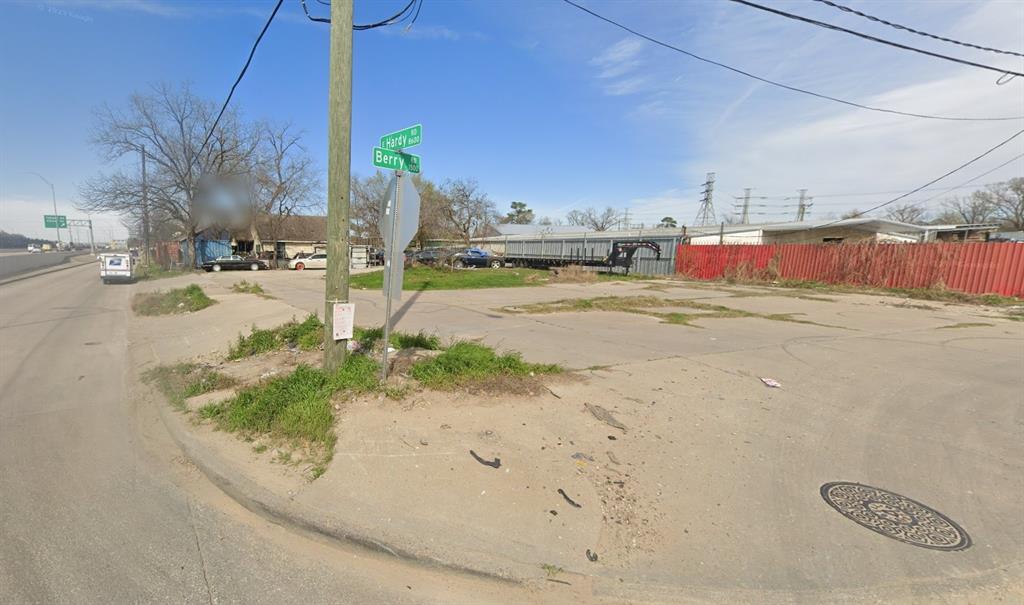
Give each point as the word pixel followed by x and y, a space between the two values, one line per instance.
pixel 339 151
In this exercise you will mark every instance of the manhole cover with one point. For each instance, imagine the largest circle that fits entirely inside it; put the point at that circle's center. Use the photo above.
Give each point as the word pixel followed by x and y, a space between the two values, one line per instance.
pixel 895 516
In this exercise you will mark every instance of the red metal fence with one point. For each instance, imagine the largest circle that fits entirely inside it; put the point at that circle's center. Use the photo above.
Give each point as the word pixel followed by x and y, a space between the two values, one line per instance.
pixel 975 268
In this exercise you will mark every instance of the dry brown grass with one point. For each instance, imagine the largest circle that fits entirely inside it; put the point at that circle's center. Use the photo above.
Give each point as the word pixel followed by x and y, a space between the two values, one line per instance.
pixel 573 274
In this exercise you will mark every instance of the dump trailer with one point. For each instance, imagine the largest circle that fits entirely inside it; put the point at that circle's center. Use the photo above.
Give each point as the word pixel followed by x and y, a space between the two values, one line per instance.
pixel 614 251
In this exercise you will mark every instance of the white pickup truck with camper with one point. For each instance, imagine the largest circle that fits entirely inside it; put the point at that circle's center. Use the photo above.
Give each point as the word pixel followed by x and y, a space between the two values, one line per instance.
pixel 117 267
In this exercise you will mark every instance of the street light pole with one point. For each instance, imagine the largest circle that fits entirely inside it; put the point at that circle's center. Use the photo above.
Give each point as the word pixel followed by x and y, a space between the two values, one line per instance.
pixel 53 194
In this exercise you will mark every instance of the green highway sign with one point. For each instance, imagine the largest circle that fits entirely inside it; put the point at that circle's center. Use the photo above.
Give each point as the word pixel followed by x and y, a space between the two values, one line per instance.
pixel 393 160
pixel 59 221
pixel 407 137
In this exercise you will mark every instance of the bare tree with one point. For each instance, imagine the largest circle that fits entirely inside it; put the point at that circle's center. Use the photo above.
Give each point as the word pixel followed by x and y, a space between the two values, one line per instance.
pixel 975 208
pixel 466 208
pixel 368 197
pixel 1007 202
pixel 855 213
pixel 284 182
pixel 591 218
pixel 907 213
pixel 171 124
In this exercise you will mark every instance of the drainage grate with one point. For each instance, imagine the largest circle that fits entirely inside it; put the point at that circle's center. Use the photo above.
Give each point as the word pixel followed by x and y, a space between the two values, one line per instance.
pixel 895 516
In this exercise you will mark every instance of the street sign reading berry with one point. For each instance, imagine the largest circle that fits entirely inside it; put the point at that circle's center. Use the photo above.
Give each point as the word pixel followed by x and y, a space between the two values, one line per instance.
pixel 407 137
pixel 393 160
pixel 55 221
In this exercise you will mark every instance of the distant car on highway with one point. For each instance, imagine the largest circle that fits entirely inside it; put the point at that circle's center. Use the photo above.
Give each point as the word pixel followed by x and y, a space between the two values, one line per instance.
pixel 234 262
pixel 315 261
pixel 475 257
pixel 32 249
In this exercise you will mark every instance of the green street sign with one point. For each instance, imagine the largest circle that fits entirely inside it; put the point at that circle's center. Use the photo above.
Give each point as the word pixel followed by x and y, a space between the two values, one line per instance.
pixel 407 137
pixel 393 160
pixel 55 221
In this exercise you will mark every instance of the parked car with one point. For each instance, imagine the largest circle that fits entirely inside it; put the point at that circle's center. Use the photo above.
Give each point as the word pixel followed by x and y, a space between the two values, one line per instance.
pixel 475 257
pixel 430 256
pixel 314 261
pixel 234 262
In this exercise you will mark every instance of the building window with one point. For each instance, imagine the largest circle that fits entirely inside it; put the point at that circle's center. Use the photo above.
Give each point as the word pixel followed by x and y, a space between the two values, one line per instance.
pixel 832 240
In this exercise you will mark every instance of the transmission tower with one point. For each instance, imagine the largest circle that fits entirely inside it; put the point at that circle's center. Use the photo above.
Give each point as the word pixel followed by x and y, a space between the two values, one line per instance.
pixel 706 212
pixel 745 216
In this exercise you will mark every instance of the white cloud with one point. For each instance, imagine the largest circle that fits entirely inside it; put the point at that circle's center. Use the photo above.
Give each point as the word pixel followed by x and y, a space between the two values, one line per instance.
pixel 756 135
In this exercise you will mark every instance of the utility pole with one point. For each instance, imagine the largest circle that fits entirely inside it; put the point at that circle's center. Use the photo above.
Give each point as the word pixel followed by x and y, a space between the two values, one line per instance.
pixel 625 219
pixel 706 212
pixel 745 216
pixel 801 209
pixel 145 209
pixel 339 160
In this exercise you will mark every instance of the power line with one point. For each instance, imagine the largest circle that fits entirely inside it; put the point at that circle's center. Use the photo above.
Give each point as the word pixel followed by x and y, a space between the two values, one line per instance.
pixel 967 183
pixel 935 180
pixel 241 75
pixel 398 17
pixel 795 17
pixel 781 85
pixel 914 31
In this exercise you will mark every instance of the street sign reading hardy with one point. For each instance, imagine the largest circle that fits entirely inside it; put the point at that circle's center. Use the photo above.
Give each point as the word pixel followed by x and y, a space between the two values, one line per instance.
pixel 393 160
pixel 407 137
pixel 55 221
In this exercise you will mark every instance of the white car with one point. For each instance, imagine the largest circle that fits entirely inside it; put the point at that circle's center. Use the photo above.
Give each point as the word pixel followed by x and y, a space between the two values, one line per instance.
pixel 33 250
pixel 316 261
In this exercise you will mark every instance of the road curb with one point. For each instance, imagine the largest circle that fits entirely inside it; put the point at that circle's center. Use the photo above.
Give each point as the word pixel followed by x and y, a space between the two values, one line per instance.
pixel 284 512
pixel 68 263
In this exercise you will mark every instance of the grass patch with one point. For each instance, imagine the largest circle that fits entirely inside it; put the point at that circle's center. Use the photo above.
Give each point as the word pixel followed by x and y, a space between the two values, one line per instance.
pixel 370 337
pixel 646 305
pixel 181 381
pixel 1015 314
pixel 179 300
pixel 433 278
pixel 551 570
pixel 296 406
pixel 933 294
pixel 965 324
pixel 150 272
pixel 306 335
pixel 468 362
pixel 244 287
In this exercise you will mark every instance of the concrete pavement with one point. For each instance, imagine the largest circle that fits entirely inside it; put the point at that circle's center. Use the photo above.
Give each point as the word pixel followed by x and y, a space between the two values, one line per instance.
pixel 22 262
pixel 96 504
pixel 723 472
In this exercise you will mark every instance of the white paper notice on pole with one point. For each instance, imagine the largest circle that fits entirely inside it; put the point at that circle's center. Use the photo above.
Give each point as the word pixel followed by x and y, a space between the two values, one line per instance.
pixel 344 319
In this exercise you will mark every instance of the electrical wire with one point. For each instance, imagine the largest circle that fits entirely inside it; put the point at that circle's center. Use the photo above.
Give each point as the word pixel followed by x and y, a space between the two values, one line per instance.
pixel 933 181
pixel 795 17
pixel 968 182
pixel 241 75
pixel 781 85
pixel 398 17
pixel 847 9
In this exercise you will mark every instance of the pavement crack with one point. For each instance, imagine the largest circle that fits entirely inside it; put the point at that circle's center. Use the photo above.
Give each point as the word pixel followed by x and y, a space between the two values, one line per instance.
pixel 199 549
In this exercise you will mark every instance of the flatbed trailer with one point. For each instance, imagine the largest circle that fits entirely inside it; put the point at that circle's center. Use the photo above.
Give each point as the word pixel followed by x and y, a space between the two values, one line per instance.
pixel 602 251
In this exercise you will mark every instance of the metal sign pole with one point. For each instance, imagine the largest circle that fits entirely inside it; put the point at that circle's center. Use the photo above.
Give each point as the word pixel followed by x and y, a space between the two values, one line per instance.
pixel 390 260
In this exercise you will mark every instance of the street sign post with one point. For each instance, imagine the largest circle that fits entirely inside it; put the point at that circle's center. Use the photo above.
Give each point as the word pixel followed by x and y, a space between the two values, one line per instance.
pixel 396 160
pixel 55 221
pixel 403 139
pixel 399 215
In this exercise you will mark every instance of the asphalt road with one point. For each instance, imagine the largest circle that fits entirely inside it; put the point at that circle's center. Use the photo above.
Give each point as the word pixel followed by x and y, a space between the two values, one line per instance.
pixel 90 512
pixel 21 262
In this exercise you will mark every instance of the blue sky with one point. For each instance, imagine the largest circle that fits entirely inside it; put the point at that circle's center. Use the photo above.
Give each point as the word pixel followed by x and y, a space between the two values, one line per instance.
pixel 536 100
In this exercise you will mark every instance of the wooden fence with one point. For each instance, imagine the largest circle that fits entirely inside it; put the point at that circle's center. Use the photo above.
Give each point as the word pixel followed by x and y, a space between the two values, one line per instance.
pixel 975 268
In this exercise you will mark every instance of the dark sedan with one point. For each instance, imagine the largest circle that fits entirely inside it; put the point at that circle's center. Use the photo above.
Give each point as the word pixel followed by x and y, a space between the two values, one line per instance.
pixel 475 257
pixel 234 263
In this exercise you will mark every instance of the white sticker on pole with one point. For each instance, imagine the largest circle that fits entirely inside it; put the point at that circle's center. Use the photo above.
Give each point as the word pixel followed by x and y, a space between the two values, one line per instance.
pixel 344 319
